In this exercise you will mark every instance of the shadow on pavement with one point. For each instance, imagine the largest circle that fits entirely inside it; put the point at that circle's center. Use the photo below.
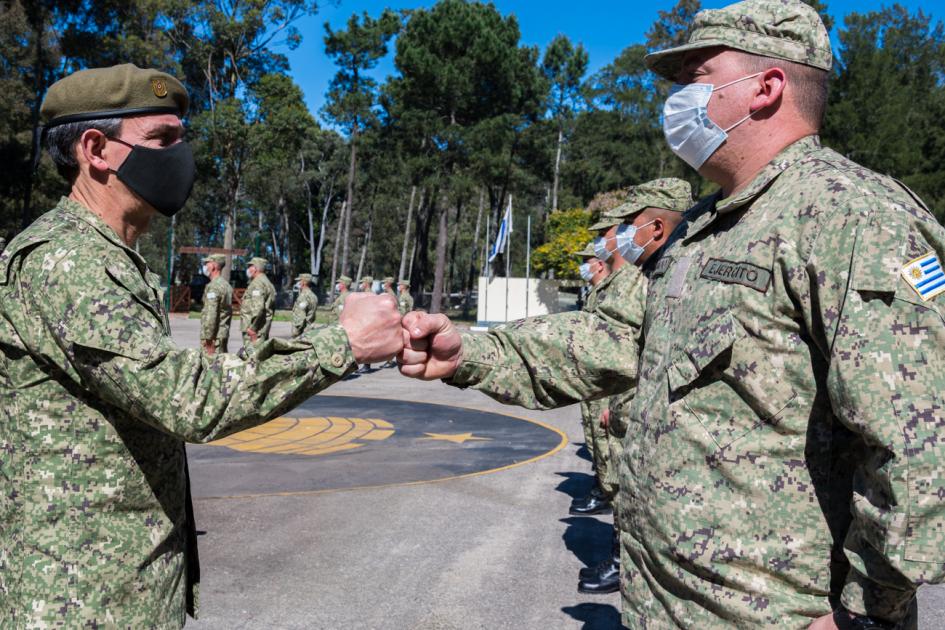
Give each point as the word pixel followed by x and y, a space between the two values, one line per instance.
pixel 575 484
pixel 584 452
pixel 588 538
pixel 595 616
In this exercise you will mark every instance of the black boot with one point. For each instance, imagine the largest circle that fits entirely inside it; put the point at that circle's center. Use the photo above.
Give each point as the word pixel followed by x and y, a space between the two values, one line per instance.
pixel 595 492
pixel 593 506
pixel 590 572
pixel 607 581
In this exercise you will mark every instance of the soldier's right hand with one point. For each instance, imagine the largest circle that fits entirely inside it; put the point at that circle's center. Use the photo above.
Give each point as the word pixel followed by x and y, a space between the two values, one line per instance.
pixel 373 326
pixel 433 349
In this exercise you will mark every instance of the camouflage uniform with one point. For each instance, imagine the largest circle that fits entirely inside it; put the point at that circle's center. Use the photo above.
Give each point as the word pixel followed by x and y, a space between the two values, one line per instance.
pixel 404 300
pixel 389 288
pixel 303 311
pixel 257 308
pixel 96 402
pixel 216 314
pixel 591 408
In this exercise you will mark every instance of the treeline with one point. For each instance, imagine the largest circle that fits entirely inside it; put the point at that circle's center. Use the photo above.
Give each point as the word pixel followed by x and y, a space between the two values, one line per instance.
pixel 411 177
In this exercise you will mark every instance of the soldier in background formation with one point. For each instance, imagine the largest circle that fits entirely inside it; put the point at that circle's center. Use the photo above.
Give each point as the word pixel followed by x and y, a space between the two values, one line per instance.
pixel 259 303
pixel 366 284
pixel 96 400
pixel 388 287
pixel 593 271
pixel 785 464
pixel 305 307
pixel 404 299
pixel 217 307
pixel 343 288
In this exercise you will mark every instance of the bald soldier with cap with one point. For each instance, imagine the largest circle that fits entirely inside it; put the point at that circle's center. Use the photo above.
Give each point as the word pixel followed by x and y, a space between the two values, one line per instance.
pixel 217 307
pixel 259 303
pixel 96 400
pixel 306 304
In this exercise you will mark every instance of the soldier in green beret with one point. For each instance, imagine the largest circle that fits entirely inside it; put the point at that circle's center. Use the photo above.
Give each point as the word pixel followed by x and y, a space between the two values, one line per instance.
pixel 96 399
pixel 217 307
pixel 259 303
pixel 786 461
pixel 306 304
pixel 404 299
pixel 344 282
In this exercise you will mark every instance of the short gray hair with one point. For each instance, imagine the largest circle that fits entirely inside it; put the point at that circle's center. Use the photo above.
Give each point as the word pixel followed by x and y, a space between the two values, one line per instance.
pixel 61 140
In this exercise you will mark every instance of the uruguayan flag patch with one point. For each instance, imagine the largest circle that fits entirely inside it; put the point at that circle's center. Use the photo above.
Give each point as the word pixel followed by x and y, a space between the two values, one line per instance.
pixel 925 275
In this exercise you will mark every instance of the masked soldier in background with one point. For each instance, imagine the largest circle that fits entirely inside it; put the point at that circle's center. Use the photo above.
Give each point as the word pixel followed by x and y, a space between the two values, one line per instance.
pixel 217 307
pixel 404 299
pixel 338 305
pixel 305 307
pixel 259 303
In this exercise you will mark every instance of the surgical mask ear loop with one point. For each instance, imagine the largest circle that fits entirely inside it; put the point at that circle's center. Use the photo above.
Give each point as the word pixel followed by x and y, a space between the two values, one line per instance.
pixel 750 114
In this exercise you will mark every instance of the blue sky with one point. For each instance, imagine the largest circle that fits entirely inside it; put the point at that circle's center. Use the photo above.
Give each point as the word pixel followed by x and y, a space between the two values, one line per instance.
pixel 605 28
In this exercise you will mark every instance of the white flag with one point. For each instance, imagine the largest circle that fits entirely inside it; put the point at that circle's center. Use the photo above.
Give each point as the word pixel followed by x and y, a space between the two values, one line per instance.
pixel 502 238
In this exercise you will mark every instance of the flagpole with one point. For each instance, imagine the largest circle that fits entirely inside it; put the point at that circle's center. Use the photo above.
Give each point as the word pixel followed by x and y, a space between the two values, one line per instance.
pixel 508 259
pixel 485 271
pixel 528 264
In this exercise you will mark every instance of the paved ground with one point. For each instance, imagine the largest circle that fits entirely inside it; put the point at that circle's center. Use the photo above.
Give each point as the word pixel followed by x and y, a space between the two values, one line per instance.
pixel 305 550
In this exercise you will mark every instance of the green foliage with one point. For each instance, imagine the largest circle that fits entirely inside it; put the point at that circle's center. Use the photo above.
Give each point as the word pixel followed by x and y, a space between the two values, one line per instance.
pixel 567 234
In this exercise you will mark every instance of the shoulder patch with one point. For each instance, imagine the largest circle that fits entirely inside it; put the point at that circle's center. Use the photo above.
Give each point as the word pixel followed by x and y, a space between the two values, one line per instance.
pixel 211 296
pixel 925 276
pixel 743 273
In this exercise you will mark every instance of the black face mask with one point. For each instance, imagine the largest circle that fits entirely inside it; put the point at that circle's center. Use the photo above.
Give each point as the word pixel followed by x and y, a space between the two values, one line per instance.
pixel 162 177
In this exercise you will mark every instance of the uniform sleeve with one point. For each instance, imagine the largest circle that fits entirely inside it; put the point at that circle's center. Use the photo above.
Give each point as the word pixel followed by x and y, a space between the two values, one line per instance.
pixel 298 317
pixel 209 317
pixel 113 345
pixel 550 361
pixel 249 308
pixel 885 347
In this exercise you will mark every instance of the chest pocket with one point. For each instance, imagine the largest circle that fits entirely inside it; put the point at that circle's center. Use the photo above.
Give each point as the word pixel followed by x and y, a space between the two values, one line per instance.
pixel 722 377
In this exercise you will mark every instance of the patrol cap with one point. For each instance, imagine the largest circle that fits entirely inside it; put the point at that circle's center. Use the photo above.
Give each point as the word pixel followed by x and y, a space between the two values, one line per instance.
pixel 219 259
pixel 783 29
pixel 388 280
pixel 668 193
pixel 259 263
pixel 345 280
pixel 368 279
pixel 114 92
pixel 304 277
pixel 403 283
pixel 587 252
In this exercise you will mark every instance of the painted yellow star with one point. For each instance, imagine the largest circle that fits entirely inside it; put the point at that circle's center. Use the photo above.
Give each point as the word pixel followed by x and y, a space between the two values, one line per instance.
pixel 455 438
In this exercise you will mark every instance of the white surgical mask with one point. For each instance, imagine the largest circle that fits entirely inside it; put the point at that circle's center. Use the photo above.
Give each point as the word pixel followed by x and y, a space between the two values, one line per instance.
pixel 689 131
pixel 206 270
pixel 626 245
pixel 586 272
pixel 600 249
pixel 249 274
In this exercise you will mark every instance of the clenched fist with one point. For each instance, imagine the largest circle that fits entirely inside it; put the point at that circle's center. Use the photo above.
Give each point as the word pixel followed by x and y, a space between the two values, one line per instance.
pixel 432 347
pixel 373 326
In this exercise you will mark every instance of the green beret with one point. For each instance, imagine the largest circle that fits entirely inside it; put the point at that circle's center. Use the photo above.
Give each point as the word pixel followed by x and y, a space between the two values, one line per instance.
pixel 783 29
pixel 219 259
pixel 668 193
pixel 587 252
pixel 259 263
pixel 114 92
pixel 304 277
pixel 368 279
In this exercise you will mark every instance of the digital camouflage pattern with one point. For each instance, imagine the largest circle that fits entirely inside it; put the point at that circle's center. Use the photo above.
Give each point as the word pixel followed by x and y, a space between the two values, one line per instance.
pixel 555 360
pixel 258 307
pixel 404 302
pixel 590 408
pixel 783 29
pixel 217 313
pixel 338 304
pixel 303 311
pixel 96 402
pixel 788 418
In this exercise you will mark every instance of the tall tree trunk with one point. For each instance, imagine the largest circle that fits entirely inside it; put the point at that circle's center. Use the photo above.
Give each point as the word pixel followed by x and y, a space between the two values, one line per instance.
pixel 473 255
pixel 458 221
pixel 364 249
pixel 423 238
pixel 441 236
pixel 554 185
pixel 229 230
pixel 317 255
pixel 403 250
pixel 334 258
pixel 350 200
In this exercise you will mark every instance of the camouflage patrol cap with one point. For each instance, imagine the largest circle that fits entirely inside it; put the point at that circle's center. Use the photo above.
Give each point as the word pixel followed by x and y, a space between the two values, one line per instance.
pixel 403 283
pixel 368 279
pixel 668 193
pixel 304 277
pixel 388 280
pixel 259 263
pixel 345 280
pixel 783 29
pixel 115 92
pixel 587 252
pixel 219 259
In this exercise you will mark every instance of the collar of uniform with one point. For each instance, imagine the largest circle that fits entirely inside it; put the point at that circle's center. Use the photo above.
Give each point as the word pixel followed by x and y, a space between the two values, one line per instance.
pixel 603 284
pixel 782 162
pixel 82 213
